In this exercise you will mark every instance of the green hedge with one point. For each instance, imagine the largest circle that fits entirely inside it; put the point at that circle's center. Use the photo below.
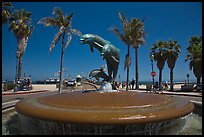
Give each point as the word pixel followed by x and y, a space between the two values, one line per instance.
pixel 8 86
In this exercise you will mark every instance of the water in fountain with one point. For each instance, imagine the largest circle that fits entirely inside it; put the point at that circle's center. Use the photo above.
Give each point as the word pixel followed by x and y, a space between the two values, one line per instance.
pixel 101 113
pixel 187 125
pixel 37 126
pixel 106 87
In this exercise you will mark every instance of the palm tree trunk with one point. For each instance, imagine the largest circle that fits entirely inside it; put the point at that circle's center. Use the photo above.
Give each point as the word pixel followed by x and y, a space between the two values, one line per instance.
pixel 136 67
pixel 61 63
pixel 127 81
pixel 198 80
pixel 16 76
pixel 198 83
pixel 171 80
pixel 160 79
pixel 19 67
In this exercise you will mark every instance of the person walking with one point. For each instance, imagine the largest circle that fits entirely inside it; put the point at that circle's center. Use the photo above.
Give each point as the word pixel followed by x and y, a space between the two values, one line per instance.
pixel 133 83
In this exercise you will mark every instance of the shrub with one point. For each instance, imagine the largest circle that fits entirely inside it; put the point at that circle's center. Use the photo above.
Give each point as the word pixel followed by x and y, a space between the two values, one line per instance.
pixel 8 86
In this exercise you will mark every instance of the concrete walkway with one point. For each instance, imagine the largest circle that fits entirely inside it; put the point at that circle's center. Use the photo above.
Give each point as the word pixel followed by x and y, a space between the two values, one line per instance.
pixel 183 93
pixel 196 94
pixel 10 103
pixel 37 88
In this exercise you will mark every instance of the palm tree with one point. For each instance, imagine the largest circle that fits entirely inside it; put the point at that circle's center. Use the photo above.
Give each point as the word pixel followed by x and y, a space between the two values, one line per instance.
pixel 136 37
pixel 194 55
pixel 20 25
pixel 158 55
pixel 172 50
pixel 63 23
pixel 6 13
pixel 126 39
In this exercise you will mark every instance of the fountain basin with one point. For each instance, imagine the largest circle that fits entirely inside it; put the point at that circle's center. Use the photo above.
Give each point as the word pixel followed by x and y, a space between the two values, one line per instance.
pixel 108 109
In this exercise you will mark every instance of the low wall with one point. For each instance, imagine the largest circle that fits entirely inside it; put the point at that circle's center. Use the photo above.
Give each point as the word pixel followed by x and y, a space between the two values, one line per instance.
pixel 44 86
pixel 186 88
pixel 197 108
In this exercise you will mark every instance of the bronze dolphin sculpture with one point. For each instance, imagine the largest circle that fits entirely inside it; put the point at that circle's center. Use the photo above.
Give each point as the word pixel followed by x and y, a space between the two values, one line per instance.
pixel 108 51
pixel 98 73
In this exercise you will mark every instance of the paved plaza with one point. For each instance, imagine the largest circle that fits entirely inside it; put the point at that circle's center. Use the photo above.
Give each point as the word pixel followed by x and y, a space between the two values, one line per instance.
pixel 9 98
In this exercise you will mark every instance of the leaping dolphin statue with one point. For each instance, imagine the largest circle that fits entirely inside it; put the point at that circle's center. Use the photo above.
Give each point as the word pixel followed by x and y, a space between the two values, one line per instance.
pixel 109 52
pixel 98 73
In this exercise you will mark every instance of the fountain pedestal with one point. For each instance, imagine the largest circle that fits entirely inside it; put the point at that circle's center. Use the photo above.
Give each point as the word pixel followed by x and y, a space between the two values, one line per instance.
pixel 105 86
pixel 102 113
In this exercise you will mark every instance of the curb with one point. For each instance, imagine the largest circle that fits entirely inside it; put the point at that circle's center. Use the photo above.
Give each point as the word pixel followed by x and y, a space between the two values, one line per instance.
pixel 10 104
pixel 15 93
pixel 183 94
pixel 197 107
pixel 172 93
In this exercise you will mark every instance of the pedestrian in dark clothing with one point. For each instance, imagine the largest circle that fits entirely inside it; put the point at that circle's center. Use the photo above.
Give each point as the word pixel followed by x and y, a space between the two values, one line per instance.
pixel 156 86
pixel 133 83
pixel 28 84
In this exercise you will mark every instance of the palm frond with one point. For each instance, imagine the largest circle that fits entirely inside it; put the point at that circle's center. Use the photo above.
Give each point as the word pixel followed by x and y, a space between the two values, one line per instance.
pixel 68 18
pixel 69 39
pixel 48 21
pixel 76 32
pixel 20 23
pixel 116 31
pixel 56 38
pixel 123 20
pixel 194 54
pixel 63 23
pixel 57 11
pixel 6 4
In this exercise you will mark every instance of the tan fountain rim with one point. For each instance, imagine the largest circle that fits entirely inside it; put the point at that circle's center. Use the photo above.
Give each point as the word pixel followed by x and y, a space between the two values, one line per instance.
pixel 105 108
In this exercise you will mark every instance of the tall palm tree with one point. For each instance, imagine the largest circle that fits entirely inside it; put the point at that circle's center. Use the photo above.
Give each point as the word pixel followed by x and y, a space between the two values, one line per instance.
pixel 194 55
pixel 126 39
pixel 137 37
pixel 158 55
pixel 172 50
pixel 6 13
pixel 63 23
pixel 20 25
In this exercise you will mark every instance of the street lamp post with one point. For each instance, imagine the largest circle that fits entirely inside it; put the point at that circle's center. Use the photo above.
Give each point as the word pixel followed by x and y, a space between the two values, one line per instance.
pixel 64 71
pixel 187 79
pixel 119 78
pixel 82 74
pixel 153 73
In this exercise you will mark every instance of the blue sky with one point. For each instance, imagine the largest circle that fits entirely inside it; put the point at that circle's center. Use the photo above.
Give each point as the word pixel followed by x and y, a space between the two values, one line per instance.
pixel 163 21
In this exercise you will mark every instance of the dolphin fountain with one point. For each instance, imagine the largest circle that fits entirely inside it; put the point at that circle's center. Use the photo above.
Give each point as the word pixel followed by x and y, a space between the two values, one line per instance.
pixel 108 51
pixel 102 113
pixel 99 73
